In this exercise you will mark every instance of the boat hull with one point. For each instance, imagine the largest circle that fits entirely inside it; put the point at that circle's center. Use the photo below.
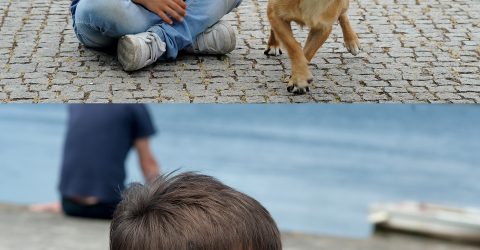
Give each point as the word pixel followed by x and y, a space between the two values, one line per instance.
pixel 438 224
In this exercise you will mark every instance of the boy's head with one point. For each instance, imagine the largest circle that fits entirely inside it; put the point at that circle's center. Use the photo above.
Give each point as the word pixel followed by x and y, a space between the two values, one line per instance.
pixel 191 211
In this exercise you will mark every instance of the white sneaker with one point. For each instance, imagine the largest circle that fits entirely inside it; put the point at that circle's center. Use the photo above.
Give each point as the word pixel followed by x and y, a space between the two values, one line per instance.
pixel 219 39
pixel 137 51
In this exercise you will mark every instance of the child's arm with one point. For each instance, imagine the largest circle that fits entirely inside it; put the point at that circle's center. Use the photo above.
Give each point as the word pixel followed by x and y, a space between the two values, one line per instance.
pixel 164 8
pixel 148 164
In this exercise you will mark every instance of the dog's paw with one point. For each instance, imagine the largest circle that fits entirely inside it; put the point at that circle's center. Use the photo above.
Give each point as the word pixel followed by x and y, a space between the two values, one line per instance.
pixel 299 86
pixel 273 51
pixel 297 90
pixel 353 46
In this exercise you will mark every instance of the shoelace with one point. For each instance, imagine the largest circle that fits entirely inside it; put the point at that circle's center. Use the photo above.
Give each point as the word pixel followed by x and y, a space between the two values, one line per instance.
pixel 153 40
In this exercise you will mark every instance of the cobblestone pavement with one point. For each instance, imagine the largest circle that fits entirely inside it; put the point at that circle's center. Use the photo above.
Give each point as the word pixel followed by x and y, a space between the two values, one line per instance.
pixel 413 51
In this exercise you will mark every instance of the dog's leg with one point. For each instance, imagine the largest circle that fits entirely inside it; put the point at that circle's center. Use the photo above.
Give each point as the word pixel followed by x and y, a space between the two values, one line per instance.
pixel 273 48
pixel 301 75
pixel 351 39
pixel 315 40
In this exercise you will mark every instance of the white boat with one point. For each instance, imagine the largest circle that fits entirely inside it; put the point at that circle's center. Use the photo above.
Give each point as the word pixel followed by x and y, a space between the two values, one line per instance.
pixel 430 219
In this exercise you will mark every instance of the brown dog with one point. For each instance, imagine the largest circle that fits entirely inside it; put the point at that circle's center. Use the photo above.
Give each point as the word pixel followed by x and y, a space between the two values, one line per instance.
pixel 319 16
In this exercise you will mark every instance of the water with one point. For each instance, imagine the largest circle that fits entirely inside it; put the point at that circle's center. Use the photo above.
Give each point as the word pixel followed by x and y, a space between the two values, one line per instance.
pixel 315 167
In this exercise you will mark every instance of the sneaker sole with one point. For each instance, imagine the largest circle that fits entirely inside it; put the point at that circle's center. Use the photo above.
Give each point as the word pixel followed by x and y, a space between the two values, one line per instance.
pixel 125 53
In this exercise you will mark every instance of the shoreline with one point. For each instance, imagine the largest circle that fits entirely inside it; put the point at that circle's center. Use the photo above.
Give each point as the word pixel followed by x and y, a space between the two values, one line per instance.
pixel 23 230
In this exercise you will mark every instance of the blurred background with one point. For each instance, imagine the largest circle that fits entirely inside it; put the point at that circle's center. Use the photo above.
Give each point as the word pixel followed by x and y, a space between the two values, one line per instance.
pixel 316 168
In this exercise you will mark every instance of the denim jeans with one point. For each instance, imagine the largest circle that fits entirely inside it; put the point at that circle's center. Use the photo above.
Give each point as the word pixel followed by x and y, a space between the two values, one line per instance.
pixel 99 23
pixel 98 211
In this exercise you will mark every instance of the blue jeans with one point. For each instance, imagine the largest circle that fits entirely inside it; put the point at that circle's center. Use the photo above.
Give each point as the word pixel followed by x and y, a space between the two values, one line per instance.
pixel 99 23
pixel 97 211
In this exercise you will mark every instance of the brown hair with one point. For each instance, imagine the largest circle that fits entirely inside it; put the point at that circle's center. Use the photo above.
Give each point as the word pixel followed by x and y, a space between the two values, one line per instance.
pixel 191 211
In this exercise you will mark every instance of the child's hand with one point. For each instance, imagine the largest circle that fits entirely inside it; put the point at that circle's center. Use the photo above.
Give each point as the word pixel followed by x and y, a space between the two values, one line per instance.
pixel 163 8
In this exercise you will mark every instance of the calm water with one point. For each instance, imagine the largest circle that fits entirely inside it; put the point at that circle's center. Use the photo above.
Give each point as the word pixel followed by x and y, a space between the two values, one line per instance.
pixel 316 168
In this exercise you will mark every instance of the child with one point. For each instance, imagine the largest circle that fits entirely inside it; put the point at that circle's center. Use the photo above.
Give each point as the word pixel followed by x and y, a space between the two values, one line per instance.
pixel 191 211
pixel 145 32
pixel 97 143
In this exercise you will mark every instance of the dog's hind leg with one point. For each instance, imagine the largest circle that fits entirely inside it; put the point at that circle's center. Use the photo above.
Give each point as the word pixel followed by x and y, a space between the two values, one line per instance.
pixel 315 40
pixel 351 39
pixel 273 48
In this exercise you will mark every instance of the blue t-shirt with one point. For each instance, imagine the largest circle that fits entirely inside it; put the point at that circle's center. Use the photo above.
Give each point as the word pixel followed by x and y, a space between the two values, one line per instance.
pixel 97 143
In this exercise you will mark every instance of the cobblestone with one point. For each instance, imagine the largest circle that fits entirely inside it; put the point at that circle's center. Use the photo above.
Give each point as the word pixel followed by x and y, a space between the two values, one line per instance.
pixel 413 51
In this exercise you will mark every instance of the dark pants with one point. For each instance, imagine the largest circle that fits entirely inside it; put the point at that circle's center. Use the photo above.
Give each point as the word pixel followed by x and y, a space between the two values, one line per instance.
pixel 100 210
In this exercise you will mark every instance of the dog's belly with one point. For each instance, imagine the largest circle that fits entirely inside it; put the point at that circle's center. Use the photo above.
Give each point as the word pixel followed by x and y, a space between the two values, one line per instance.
pixel 317 14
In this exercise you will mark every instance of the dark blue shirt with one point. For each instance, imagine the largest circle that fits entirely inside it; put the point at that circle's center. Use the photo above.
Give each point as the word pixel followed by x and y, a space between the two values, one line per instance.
pixel 97 143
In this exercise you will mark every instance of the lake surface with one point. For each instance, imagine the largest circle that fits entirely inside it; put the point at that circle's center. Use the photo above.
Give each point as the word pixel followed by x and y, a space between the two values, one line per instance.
pixel 315 167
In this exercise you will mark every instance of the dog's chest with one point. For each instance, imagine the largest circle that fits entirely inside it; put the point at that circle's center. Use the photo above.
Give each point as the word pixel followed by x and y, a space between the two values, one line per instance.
pixel 318 13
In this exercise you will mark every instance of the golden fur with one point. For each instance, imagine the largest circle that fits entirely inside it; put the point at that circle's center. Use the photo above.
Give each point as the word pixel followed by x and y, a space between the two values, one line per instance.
pixel 319 16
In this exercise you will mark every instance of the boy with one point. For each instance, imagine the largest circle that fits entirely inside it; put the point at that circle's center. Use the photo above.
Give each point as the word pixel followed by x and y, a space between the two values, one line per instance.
pixel 98 140
pixel 145 32
pixel 191 211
